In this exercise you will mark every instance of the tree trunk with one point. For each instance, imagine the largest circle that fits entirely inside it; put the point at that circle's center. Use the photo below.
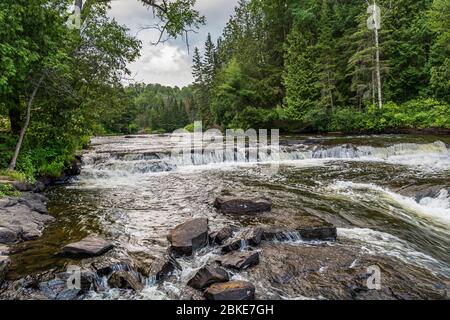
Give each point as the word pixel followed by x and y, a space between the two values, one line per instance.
pixel 377 57
pixel 14 114
pixel 13 162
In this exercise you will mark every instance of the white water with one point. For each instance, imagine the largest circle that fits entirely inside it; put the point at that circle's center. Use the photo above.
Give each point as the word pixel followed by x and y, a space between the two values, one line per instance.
pixel 434 209
pixel 148 157
pixel 384 244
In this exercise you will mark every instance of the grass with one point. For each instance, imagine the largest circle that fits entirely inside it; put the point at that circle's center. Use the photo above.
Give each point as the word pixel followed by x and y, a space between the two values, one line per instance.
pixel 7 190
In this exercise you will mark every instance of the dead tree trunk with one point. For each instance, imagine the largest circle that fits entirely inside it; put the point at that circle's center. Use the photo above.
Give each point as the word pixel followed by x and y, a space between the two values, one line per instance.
pixel 377 25
pixel 12 164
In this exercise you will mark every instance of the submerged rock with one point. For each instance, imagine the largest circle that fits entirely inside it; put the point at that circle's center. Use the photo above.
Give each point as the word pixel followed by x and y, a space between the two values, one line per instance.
pixel 125 280
pixel 239 260
pixel 207 276
pixel 219 237
pixel 189 237
pixel 5 262
pixel 88 247
pixel 307 228
pixel 234 205
pixel 233 290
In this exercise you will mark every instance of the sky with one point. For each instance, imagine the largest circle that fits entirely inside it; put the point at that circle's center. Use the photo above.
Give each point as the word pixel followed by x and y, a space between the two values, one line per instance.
pixel 169 63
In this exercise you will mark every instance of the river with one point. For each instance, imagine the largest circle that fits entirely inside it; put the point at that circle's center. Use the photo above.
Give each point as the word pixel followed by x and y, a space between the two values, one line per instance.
pixel 388 196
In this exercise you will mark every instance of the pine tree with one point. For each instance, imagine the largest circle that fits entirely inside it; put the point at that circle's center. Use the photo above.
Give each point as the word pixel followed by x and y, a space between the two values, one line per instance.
pixel 197 68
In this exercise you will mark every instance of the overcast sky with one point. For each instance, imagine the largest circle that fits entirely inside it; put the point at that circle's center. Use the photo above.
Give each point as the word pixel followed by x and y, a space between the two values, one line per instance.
pixel 169 63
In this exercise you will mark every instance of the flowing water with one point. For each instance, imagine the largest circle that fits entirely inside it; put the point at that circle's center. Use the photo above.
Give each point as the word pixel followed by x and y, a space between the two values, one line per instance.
pixel 388 195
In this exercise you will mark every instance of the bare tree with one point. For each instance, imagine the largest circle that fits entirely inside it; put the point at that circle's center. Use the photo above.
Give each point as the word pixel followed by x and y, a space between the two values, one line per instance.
pixel 13 162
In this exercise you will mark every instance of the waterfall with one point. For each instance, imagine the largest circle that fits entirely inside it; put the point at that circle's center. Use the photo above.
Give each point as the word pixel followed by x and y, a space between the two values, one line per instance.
pixel 129 162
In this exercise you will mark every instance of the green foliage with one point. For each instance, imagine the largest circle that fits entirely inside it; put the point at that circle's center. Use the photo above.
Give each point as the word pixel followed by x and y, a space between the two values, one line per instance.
pixel 7 190
pixel 310 66
pixel 415 114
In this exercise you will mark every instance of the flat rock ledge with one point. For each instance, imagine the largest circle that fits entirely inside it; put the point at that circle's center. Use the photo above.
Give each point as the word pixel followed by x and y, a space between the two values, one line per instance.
pixel 91 246
pixel 243 206
pixel 239 260
pixel 189 237
pixel 233 290
pixel 23 218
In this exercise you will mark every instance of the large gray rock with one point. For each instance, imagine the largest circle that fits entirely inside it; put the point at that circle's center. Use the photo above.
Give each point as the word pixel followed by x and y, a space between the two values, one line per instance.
pixel 58 289
pixel 233 290
pixel 207 276
pixel 235 205
pixel 90 246
pixel 239 260
pixel 22 218
pixel 5 262
pixel 125 280
pixel 189 237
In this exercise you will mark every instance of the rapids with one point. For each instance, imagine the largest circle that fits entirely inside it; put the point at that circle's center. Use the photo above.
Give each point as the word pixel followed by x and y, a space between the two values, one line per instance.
pixel 388 195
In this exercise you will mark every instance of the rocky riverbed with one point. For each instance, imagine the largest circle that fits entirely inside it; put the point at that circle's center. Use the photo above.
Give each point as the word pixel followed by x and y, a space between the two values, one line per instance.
pixel 138 225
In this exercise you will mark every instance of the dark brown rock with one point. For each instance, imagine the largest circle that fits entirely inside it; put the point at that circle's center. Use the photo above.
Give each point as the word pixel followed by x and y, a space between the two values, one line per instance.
pixel 324 233
pixel 90 246
pixel 221 236
pixel 234 205
pixel 239 260
pixel 125 280
pixel 207 276
pixel 306 228
pixel 233 290
pixel 189 236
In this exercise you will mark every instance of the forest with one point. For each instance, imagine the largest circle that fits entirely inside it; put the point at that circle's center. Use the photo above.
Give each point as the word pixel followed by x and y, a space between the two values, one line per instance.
pixel 299 66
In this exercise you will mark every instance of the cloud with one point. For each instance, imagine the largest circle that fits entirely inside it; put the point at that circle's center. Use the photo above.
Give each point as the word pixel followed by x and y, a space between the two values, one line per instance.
pixel 168 63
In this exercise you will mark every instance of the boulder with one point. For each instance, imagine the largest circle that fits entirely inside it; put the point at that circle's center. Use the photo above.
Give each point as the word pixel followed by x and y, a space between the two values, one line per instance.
pixel 22 218
pixel 160 269
pixel 239 260
pixel 167 269
pixel 8 235
pixel 125 280
pixel 233 290
pixel 90 246
pixel 5 262
pixel 219 237
pixel 234 205
pixel 189 237
pixel 207 276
